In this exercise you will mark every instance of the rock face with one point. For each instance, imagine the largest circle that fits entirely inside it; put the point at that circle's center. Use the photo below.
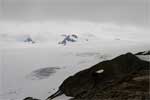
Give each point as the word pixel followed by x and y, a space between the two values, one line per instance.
pixel 29 39
pixel 85 84
pixel 68 38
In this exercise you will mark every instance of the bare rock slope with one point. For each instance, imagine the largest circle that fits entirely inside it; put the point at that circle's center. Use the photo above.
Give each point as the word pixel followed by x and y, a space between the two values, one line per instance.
pixel 125 77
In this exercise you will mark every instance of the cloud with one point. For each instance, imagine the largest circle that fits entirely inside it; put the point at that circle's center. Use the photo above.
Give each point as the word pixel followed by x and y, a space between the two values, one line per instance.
pixel 62 26
pixel 133 12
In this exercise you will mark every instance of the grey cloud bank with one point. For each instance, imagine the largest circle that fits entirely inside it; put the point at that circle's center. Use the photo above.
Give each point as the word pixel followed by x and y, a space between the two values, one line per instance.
pixel 134 12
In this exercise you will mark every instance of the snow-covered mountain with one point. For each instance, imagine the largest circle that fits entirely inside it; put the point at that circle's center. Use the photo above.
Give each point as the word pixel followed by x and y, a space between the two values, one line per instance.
pixel 38 69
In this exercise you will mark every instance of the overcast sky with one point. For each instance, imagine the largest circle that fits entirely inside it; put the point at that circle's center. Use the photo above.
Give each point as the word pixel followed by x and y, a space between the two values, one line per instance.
pixel 134 12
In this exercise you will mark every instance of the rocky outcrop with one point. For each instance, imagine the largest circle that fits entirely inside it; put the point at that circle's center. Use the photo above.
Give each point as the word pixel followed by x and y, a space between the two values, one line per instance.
pixel 68 38
pixel 29 40
pixel 143 53
pixel 109 80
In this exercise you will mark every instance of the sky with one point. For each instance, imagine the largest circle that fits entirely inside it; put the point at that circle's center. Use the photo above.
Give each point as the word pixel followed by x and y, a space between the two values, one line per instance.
pixel 119 12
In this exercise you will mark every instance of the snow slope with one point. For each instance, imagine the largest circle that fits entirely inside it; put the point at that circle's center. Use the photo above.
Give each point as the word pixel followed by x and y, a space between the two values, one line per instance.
pixel 22 64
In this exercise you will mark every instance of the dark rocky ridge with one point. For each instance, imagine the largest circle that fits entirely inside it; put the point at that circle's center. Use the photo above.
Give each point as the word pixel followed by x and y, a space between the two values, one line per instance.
pixel 87 83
